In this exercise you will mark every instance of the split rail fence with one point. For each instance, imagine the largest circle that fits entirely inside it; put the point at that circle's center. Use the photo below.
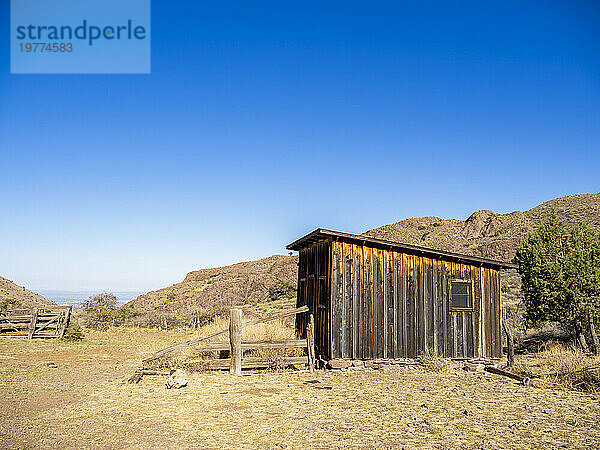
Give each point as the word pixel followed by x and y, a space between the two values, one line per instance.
pixel 236 347
pixel 32 324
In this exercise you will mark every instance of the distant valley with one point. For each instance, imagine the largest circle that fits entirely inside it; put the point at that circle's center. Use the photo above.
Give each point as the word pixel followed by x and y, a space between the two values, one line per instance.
pixel 63 297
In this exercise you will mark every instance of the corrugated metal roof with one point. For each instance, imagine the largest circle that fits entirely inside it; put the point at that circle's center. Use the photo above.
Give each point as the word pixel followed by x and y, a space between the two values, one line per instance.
pixel 321 234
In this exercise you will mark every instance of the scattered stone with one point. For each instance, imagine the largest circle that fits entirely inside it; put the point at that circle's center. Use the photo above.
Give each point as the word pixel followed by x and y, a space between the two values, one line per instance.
pixel 338 364
pixel 178 379
pixel 528 382
pixel 52 365
pixel 473 367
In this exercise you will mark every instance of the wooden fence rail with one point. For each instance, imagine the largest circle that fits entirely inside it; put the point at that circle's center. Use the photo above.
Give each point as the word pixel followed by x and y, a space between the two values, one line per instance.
pixel 236 347
pixel 39 323
pixel 195 341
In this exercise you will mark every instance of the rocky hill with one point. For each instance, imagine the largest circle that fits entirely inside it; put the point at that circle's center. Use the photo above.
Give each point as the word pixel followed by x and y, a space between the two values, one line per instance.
pixel 486 233
pixel 13 296
pixel 270 283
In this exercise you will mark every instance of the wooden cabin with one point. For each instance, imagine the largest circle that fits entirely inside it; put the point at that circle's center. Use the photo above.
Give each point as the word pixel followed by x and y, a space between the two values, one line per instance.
pixel 373 298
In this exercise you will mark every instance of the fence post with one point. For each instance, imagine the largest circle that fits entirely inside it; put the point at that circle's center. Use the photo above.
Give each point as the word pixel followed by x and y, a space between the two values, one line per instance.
pixel 235 339
pixel 310 342
pixel 32 324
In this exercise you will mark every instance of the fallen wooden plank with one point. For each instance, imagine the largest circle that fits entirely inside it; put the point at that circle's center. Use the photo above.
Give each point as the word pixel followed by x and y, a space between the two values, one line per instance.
pixel 497 371
pixel 265 345
pixel 253 345
pixel 251 363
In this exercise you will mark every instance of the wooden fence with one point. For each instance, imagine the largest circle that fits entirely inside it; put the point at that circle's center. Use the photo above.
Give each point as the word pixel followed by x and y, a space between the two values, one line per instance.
pixel 32 324
pixel 236 347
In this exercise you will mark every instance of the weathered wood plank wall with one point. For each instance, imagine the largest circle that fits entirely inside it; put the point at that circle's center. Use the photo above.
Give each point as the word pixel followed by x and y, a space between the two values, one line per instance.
pixel 381 303
pixel 314 290
pixel 403 310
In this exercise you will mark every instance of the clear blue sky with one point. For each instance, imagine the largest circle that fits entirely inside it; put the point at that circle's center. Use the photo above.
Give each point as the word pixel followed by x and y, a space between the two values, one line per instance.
pixel 262 121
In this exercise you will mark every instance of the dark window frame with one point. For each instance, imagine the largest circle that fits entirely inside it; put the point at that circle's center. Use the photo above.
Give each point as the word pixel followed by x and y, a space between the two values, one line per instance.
pixel 452 308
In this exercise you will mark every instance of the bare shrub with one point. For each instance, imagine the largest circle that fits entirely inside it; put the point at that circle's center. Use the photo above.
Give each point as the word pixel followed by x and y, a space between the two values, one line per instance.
pixel 562 366
pixel 434 363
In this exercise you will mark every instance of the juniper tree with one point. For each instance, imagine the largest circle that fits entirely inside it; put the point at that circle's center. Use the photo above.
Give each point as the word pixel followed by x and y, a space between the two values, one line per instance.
pixel 560 273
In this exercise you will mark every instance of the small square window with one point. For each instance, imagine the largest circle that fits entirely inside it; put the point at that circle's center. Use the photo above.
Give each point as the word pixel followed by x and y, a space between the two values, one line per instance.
pixel 461 295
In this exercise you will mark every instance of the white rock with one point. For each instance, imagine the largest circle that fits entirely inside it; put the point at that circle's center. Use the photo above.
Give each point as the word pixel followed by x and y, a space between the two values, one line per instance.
pixel 178 379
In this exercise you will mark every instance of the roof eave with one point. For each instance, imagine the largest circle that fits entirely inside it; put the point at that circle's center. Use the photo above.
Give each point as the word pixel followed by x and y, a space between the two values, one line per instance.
pixel 334 235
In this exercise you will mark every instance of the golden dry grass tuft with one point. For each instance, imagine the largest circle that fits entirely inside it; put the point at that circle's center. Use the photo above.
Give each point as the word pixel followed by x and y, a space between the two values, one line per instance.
pixel 433 363
pixel 561 366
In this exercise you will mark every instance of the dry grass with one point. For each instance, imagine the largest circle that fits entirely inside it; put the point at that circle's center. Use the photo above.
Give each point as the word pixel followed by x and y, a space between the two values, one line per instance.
pixel 562 366
pixel 82 404
pixel 190 357
pixel 434 363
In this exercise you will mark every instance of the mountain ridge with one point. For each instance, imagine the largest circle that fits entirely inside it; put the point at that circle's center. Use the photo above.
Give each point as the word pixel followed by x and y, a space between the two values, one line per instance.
pixel 270 283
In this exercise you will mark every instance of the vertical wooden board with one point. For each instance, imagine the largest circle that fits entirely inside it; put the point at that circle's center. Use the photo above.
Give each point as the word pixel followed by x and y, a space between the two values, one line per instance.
pixel 390 307
pixel 499 311
pixel 492 314
pixel 324 313
pixel 445 313
pixel 418 261
pixel 355 300
pixel 434 310
pixel 497 314
pixel 487 309
pixel 384 302
pixel 348 301
pixel 429 308
pixel 398 349
pixel 395 296
pixel 423 306
pixel 468 319
pixel 482 314
pixel 476 311
pixel 451 315
pixel 408 304
pixel 404 304
pixel 368 269
pixel 439 308
pixel 360 283
pixel 327 251
pixel 300 319
pixel 335 300
pixel 376 303
pixel 412 306
pixel 327 259
pixel 458 315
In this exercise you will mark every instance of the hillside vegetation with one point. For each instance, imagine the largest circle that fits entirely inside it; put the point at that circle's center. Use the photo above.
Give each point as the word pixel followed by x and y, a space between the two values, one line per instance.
pixel 270 283
pixel 486 233
pixel 14 296
pixel 262 285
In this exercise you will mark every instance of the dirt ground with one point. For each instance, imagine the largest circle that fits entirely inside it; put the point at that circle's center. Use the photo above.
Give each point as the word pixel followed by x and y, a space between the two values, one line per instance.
pixel 83 402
